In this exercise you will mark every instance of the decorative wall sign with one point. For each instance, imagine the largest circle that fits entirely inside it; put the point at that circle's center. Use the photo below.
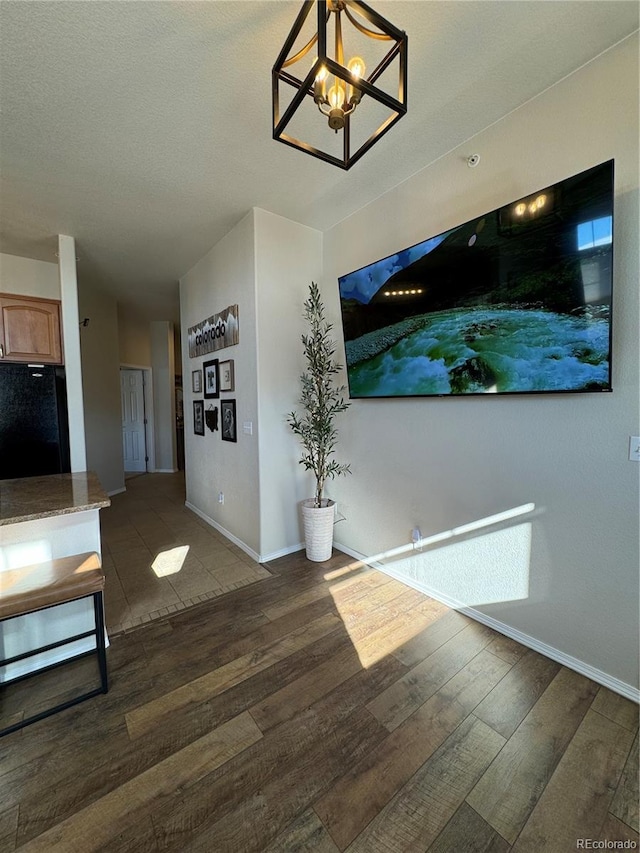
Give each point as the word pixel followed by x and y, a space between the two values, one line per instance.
pixel 196 381
pixel 214 333
pixel 225 370
pixel 228 417
pixel 198 417
pixel 211 381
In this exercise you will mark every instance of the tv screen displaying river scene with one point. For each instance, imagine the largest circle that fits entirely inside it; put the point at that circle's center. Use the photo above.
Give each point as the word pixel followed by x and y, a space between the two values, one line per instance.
pixel 515 301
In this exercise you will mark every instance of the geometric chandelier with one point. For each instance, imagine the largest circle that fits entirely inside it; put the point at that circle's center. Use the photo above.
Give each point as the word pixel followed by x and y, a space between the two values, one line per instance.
pixel 351 67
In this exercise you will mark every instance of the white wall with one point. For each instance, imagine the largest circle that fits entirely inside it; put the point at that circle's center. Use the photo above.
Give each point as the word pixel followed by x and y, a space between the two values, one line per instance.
pixel 134 338
pixel 101 386
pixel 568 575
pixel 225 276
pixel 265 265
pixel 288 259
pixel 164 405
pixel 71 341
pixel 25 277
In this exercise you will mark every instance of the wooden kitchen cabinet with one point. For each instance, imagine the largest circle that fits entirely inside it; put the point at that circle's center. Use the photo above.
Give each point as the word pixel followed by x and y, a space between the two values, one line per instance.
pixel 30 329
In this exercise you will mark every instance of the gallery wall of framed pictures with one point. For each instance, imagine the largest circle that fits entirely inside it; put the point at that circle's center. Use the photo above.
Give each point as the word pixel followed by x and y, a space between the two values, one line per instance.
pixel 213 378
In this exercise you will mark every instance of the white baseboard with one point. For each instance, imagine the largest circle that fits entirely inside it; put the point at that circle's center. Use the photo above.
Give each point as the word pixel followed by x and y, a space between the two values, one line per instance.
pixel 254 556
pixel 597 675
pixel 164 471
pixel 259 558
pixel 117 491
pixel 282 553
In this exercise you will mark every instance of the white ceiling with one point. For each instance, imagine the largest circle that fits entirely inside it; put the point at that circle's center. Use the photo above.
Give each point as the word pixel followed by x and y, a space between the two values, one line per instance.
pixel 143 129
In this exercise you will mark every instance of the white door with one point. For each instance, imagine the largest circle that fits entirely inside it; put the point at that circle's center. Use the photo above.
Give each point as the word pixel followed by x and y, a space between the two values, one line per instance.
pixel 133 427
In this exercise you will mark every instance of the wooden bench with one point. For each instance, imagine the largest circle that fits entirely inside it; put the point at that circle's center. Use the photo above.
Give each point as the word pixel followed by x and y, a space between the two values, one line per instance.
pixel 49 584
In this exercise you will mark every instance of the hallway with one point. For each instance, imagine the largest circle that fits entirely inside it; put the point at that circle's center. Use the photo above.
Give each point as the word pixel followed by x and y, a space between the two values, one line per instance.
pixel 160 558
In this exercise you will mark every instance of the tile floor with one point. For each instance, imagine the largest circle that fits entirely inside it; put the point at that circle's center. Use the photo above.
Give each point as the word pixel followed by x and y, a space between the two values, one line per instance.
pixel 149 525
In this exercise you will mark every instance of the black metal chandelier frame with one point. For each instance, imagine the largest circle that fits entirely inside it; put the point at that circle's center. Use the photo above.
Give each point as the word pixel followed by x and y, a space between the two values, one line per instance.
pixel 365 86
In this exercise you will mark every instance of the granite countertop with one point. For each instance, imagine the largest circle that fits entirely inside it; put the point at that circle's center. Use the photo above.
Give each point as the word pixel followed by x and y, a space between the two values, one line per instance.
pixel 30 498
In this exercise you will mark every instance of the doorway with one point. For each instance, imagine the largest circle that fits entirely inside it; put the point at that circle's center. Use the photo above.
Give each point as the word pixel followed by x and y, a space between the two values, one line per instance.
pixel 134 422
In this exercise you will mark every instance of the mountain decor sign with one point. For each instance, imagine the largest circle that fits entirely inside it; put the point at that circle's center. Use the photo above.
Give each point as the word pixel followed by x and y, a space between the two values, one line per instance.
pixel 216 332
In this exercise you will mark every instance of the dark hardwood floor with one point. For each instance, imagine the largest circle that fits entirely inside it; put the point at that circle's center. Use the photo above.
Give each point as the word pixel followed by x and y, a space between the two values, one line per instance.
pixel 304 713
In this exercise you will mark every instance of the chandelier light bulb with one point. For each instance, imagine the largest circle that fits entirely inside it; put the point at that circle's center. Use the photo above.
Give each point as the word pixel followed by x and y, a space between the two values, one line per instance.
pixel 321 76
pixel 520 209
pixel 357 67
pixel 336 107
pixel 336 96
pixel 319 87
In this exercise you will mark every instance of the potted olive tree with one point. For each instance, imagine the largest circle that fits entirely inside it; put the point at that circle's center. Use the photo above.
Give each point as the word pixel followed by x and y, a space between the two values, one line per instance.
pixel 321 400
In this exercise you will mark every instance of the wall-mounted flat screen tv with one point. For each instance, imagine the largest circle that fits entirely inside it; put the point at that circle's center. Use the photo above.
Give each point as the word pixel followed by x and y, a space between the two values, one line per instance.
pixel 515 301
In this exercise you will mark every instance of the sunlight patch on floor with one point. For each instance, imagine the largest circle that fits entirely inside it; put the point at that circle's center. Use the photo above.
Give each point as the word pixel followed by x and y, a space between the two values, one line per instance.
pixel 466 566
pixel 170 562
pixel 344 571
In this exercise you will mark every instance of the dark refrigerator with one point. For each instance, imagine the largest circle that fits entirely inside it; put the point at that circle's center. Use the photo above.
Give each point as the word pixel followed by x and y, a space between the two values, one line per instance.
pixel 34 431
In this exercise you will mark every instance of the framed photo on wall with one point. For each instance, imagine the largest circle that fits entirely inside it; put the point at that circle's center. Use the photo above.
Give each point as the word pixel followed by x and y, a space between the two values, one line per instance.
pixel 228 418
pixel 198 417
pixel 211 379
pixel 196 381
pixel 226 375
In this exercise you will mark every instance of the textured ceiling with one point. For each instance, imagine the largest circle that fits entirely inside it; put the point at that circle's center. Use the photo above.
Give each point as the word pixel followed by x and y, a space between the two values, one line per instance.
pixel 143 129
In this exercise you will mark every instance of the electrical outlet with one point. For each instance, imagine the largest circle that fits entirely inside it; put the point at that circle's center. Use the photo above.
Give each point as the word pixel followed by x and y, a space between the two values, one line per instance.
pixel 634 448
pixel 220 497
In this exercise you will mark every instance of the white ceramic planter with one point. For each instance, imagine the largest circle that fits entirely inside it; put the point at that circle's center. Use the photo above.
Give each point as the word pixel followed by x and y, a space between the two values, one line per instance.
pixel 318 529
